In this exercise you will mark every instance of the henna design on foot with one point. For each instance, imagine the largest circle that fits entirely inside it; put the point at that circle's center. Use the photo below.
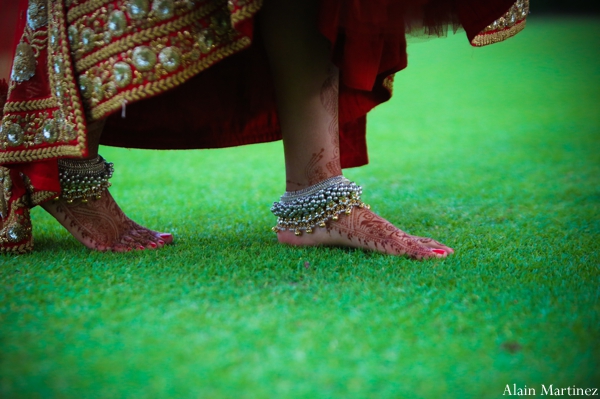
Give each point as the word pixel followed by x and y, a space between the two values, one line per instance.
pixel 102 225
pixel 374 232
pixel 364 229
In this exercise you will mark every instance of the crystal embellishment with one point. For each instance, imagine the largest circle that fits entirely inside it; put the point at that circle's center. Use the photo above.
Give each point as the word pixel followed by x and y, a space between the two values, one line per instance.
pixel 16 233
pixel 122 73
pixel 170 58
pixel 24 63
pixel 144 58
pixel 73 35
pixel 98 88
pixel 49 132
pixel 117 23
pixel 206 40
pixel 85 86
pixel 14 135
pixel 517 12
pixel 87 39
pixel 508 25
pixel 163 9
pixel 37 14
pixel 138 9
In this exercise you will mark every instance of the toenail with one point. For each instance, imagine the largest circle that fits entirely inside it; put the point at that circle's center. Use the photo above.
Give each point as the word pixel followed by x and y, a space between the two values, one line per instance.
pixel 165 235
pixel 161 242
pixel 439 251
pixel 152 244
pixel 141 247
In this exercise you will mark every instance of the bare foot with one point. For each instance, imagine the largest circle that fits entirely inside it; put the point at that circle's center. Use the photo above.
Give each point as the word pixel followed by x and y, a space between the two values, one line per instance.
pixel 101 225
pixel 364 229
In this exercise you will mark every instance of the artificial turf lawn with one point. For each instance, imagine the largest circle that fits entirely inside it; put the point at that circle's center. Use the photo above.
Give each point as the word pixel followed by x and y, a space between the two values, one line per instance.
pixel 494 151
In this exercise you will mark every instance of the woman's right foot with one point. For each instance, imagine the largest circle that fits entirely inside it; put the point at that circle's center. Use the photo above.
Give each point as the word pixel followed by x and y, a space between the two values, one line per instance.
pixel 100 224
pixel 366 230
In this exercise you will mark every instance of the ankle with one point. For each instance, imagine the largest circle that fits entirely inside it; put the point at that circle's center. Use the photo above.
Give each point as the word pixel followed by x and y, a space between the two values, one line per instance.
pixel 305 210
pixel 293 184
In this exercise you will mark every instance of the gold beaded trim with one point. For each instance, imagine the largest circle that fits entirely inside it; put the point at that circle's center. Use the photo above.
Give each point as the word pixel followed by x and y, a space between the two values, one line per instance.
pixel 33 105
pixel 246 12
pixel 16 228
pixel 39 154
pixel 68 102
pixel 5 191
pixel 498 36
pixel 508 25
pixel 142 37
pixel 153 88
pixel 40 197
pixel 71 106
pixel 85 8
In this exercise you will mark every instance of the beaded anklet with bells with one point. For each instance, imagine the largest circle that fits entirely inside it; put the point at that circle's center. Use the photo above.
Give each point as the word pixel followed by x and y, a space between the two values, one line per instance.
pixel 84 179
pixel 304 210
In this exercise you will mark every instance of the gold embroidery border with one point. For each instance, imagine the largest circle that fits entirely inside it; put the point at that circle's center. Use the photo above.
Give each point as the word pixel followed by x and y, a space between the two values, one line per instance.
pixel 5 190
pixel 30 105
pixel 82 9
pixel 171 82
pixel 150 89
pixel 135 94
pixel 32 38
pixel 21 249
pixel 484 39
pixel 40 153
pixel 9 221
pixel 246 12
pixel 56 11
pixel 39 197
pixel 144 36
pixel 76 107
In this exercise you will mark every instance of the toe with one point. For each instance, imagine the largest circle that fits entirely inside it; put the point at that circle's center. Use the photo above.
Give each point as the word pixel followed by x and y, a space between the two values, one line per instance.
pixel 158 238
pixel 153 241
pixel 121 247
pixel 166 237
pixel 133 242
pixel 432 244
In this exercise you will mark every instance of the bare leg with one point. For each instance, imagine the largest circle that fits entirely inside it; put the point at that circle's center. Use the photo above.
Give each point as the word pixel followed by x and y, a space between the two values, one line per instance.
pixel 101 224
pixel 306 85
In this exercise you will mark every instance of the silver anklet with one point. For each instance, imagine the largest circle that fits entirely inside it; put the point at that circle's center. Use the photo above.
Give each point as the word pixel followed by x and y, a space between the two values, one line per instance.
pixel 84 179
pixel 315 205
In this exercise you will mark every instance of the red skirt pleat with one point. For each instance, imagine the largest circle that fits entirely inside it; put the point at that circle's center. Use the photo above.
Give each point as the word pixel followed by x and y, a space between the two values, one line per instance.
pixel 232 103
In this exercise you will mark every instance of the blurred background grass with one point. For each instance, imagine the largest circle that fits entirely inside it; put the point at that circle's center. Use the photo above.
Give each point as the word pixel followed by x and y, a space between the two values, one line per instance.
pixel 494 151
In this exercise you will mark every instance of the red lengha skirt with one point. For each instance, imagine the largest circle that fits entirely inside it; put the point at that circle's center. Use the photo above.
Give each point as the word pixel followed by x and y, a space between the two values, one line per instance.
pixel 191 74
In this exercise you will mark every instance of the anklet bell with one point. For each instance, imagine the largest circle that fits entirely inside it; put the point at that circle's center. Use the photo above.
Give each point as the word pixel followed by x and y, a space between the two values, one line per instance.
pixel 313 206
pixel 84 179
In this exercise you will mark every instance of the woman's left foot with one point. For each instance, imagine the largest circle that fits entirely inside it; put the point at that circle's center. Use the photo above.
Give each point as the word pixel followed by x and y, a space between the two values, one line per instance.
pixel 100 224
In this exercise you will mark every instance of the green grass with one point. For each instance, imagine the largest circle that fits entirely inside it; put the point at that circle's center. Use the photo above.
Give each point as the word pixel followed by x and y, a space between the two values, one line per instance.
pixel 494 151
